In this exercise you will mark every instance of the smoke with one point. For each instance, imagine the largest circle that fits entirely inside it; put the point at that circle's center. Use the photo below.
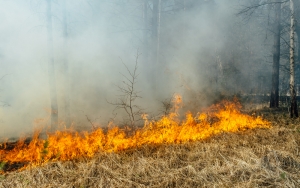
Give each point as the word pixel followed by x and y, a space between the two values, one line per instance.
pixel 198 47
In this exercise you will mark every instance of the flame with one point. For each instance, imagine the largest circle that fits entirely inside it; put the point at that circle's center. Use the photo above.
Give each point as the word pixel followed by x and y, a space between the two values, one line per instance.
pixel 68 145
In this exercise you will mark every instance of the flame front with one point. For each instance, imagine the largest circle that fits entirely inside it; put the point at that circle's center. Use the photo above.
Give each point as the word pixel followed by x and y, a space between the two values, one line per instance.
pixel 67 145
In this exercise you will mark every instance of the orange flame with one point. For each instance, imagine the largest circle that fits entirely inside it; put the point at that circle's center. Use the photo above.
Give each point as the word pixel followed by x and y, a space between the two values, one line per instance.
pixel 67 145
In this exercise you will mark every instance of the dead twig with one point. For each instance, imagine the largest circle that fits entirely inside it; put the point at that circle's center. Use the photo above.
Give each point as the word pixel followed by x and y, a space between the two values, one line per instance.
pixel 127 99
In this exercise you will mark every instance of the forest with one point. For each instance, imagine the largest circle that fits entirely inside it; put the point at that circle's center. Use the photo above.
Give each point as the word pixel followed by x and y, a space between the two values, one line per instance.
pixel 149 93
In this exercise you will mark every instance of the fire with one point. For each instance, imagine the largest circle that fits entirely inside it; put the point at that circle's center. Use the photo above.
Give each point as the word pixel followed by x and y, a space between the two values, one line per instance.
pixel 67 145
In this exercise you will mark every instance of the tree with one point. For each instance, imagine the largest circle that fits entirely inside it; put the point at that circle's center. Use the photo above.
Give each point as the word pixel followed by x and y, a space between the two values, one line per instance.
pixel 294 108
pixel 278 35
pixel 297 16
pixel 51 69
pixel 156 35
pixel 145 16
pixel 129 95
pixel 274 98
pixel 65 67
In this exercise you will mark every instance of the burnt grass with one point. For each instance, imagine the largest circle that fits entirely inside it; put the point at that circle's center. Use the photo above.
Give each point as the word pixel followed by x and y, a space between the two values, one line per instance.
pixel 254 158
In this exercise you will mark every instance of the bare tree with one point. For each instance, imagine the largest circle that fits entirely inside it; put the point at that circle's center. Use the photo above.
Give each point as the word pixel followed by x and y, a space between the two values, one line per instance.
pixel 294 108
pixel 276 52
pixel 65 67
pixel 274 99
pixel 156 35
pixel 145 16
pixel 128 96
pixel 297 16
pixel 51 70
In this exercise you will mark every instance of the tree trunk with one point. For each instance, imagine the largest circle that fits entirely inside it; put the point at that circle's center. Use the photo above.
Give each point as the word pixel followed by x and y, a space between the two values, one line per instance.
pixel 297 71
pixel 65 69
pixel 297 17
pixel 158 33
pixel 298 37
pixel 156 37
pixel 145 14
pixel 294 108
pixel 51 70
pixel 184 17
pixel 274 100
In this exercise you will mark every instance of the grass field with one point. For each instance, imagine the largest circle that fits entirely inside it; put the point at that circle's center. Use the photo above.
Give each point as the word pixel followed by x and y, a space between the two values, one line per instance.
pixel 254 158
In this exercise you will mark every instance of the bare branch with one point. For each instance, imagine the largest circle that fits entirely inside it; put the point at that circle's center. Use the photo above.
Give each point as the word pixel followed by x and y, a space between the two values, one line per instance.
pixel 129 94
pixel 252 8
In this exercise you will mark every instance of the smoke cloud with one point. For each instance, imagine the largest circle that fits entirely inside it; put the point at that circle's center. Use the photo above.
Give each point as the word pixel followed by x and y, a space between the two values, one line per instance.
pixel 203 47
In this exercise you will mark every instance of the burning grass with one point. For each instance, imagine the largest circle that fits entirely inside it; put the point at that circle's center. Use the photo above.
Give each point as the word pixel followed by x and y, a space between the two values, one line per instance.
pixel 219 147
pixel 64 145
pixel 254 158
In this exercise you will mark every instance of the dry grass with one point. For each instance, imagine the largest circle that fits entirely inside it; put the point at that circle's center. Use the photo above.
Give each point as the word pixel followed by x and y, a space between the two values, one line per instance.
pixel 255 158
